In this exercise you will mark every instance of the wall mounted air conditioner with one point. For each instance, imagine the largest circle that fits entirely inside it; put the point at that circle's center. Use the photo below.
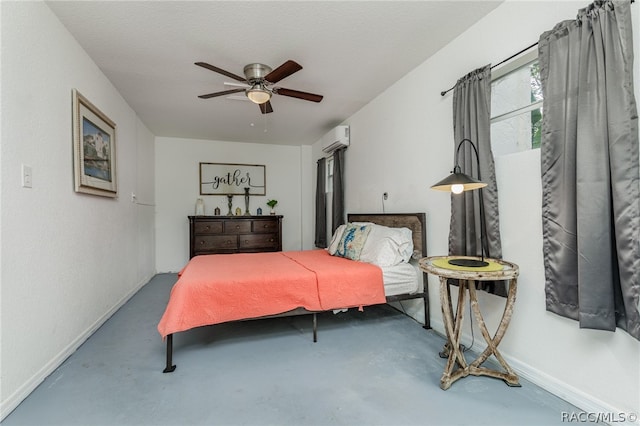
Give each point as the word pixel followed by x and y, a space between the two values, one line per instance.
pixel 335 139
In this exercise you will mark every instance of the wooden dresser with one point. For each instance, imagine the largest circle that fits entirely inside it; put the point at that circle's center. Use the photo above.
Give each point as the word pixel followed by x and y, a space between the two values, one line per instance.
pixel 234 234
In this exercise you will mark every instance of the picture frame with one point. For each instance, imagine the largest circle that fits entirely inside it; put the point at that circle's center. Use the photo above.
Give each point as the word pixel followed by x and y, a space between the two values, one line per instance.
pixel 94 149
pixel 232 179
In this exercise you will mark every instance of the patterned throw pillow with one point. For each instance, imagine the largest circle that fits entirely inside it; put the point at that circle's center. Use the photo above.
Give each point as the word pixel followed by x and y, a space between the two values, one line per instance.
pixel 352 241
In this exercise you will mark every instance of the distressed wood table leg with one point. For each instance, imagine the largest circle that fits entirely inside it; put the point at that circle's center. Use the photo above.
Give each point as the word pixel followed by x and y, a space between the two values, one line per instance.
pixel 475 368
pixel 444 353
pixel 453 328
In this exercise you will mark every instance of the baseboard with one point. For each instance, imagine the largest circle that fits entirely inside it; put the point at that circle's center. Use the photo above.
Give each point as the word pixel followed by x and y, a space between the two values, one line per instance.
pixel 10 404
pixel 584 402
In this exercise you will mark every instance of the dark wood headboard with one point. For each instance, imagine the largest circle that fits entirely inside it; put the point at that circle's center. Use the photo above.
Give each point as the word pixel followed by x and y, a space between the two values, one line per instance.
pixel 416 222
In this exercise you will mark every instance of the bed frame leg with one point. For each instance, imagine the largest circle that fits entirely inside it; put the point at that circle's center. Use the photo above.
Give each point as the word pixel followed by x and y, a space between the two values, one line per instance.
pixel 315 328
pixel 427 318
pixel 170 367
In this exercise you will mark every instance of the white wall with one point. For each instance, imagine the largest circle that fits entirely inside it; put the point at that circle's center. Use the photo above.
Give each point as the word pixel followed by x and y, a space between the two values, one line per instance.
pixel 69 260
pixel 308 190
pixel 177 188
pixel 402 142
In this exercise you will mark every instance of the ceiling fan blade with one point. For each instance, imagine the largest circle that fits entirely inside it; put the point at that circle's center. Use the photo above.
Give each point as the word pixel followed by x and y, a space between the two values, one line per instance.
pixel 298 94
pixel 226 92
pixel 245 85
pixel 220 71
pixel 283 71
pixel 266 108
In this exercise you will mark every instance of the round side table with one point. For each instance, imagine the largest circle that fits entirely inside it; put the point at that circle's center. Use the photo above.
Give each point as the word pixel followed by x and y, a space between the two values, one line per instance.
pixel 498 270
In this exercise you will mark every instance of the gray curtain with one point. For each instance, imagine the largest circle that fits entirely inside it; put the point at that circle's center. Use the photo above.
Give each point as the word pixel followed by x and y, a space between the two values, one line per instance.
pixel 471 114
pixel 321 205
pixel 590 172
pixel 337 214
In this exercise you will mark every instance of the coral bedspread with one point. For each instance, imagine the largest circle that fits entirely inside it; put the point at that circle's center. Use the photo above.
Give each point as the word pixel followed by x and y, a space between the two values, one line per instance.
pixel 217 288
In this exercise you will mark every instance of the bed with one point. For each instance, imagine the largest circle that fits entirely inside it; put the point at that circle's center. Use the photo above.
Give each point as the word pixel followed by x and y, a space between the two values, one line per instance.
pixel 371 260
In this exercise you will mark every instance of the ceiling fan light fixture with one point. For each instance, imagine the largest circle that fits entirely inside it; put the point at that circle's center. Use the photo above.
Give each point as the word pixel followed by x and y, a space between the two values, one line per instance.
pixel 258 94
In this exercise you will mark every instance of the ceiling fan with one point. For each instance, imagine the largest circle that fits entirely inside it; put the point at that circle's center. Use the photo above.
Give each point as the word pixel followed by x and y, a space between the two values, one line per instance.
pixel 260 80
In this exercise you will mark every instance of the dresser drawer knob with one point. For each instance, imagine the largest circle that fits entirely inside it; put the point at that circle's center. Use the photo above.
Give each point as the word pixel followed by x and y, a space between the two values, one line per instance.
pixel 271 240
pixel 237 226
pixel 201 243
pixel 228 242
pixel 246 241
pixel 207 228
pixel 266 226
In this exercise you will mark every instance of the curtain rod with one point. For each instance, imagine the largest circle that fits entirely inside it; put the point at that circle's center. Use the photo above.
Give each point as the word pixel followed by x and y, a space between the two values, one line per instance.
pixel 505 60
pixel 499 63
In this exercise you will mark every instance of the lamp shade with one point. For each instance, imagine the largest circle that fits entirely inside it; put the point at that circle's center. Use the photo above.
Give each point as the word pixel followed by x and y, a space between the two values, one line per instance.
pixel 458 182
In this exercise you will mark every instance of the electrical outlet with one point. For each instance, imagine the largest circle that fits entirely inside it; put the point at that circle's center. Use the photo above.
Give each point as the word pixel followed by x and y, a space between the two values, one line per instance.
pixel 27 176
pixel 385 196
pixel 133 197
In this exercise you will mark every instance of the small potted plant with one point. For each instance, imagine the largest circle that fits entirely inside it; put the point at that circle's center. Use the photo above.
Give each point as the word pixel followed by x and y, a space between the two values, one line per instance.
pixel 272 204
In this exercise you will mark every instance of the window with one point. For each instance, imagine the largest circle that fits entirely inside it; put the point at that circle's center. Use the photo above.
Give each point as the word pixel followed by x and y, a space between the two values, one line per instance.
pixel 516 107
pixel 329 185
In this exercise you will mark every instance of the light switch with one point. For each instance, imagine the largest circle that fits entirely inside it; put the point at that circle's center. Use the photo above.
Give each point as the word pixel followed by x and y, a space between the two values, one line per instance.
pixel 26 176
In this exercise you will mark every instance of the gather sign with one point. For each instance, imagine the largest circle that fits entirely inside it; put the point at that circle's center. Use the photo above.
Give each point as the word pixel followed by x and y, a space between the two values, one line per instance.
pixel 232 179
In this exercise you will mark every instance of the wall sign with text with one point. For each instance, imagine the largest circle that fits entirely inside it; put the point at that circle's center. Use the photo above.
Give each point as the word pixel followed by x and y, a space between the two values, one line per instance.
pixel 225 179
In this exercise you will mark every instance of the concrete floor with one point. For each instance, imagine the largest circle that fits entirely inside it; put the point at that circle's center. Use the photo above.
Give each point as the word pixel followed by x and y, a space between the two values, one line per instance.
pixel 377 367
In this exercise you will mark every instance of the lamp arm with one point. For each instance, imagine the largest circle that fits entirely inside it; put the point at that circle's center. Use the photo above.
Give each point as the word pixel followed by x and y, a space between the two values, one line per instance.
pixel 482 221
pixel 482 227
pixel 474 150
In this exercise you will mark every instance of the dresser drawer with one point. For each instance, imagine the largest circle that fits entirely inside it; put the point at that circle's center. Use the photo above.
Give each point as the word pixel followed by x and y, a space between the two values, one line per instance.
pixel 215 242
pixel 207 227
pixel 259 241
pixel 237 227
pixel 265 226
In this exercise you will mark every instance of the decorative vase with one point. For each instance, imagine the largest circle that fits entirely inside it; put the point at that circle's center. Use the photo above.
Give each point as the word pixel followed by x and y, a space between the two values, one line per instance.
pixel 273 212
pixel 216 211
pixel 259 211
pixel 238 211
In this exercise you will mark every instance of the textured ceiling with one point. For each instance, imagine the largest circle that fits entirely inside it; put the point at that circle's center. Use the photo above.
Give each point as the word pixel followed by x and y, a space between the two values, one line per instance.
pixel 350 53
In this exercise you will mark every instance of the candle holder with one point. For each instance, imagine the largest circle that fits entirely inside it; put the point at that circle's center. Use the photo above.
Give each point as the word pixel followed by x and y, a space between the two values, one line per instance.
pixel 199 207
pixel 246 202
pixel 230 204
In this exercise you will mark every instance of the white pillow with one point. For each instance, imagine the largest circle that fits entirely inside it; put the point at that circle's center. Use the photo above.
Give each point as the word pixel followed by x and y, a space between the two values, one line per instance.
pixel 387 246
pixel 335 240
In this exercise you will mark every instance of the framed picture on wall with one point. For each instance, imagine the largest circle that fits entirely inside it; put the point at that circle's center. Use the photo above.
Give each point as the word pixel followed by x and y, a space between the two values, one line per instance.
pixel 94 149
pixel 232 179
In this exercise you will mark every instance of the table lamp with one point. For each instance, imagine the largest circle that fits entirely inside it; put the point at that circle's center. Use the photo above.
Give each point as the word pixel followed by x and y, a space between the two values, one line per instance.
pixel 456 183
